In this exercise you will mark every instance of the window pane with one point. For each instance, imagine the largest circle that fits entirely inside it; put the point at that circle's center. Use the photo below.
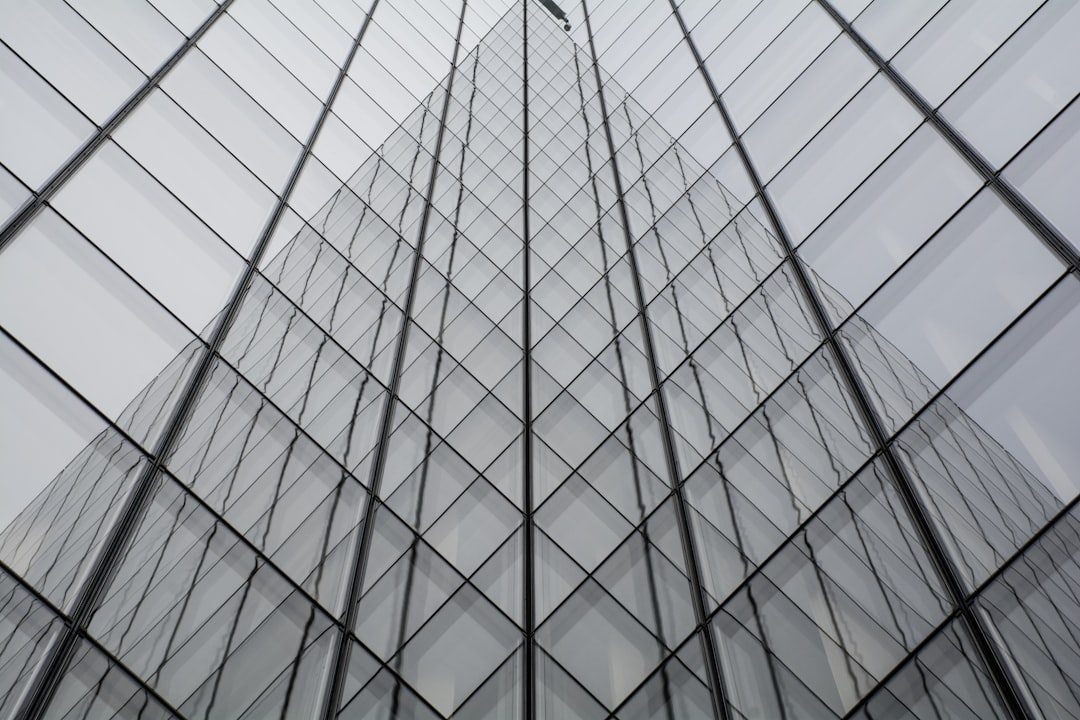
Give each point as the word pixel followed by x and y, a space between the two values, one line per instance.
pixel 82 316
pixel 148 232
pixel 877 229
pixel 1022 85
pixel 1048 172
pixel 961 289
pixel 39 129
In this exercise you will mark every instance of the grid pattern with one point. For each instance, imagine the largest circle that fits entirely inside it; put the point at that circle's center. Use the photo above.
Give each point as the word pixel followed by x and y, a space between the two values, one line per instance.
pixel 424 360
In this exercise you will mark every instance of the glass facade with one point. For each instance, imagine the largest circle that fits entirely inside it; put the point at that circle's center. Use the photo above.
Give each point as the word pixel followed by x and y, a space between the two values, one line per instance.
pixel 420 359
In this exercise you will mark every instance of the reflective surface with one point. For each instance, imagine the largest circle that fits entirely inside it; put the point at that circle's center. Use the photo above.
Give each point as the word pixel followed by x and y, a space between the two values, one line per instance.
pixel 427 360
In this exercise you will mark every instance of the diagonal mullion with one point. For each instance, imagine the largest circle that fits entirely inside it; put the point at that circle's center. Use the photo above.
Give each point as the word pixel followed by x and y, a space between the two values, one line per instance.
pixel 944 565
pixel 340 659
pixel 51 669
pixel 53 185
pixel 1035 220
pixel 716 682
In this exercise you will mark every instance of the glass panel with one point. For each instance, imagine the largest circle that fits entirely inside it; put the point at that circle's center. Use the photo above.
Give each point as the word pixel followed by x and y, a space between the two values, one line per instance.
pixel 559 695
pixel 837 607
pixel 386 696
pixel 28 627
pixel 601 644
pixel 44 426
pixel 779 64
pixel 797 115
pixel 95 686
pixel 477 523
pixel 861 135
pixel 1022 85
pixel 404 598
pixel 955 42
pixel 284 40
pixel 71 55
pixel 961 289
pixel 889 25
pixel 39 129
pixel 136 28
pixel 774 471
pixel 272 483
pixel 185 14
pixel 1022 394
pixel 996 457
pixel 66 479
pixel 876 229
pixel 1035 609
pixel 148 232
pixel 362 667
pixel 191 163
pixel 82 316
pixel 1049 169
pixel 646 574
pixel 457 649
pixel 499 696
pixel 945 681
pixel 216 630
pixel 315 22
pixel 582 522
pixel 677 691
pixel 12 195
pixel 252 66
pixel 222 107
pixel 748 37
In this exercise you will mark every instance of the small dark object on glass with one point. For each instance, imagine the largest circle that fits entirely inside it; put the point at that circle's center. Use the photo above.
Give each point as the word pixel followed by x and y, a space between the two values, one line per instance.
pixel 557 11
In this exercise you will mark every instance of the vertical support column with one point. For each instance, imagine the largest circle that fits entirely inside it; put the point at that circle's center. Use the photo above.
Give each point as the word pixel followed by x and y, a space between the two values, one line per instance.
pixel 712 662
pixel 920 518
pixel 340 657
pixel 56 661
pixel 528 695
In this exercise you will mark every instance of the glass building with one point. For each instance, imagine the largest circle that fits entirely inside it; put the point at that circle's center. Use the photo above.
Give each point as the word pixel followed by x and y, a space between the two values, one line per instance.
pixel 422 359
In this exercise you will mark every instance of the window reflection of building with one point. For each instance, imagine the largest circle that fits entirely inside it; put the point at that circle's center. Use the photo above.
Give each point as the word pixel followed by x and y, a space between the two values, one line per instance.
pixel 701 490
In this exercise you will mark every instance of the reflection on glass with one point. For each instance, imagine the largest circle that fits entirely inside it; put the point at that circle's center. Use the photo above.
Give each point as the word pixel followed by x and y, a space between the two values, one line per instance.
pixel 148 232
pixel 260 575
pixel 962 288
pixel 78 312
pixel 46 130
pixel 28 627
pixel 996 457
pixel 1034 608
pixel 945 680
pixel 885 220
pixel 1021 86
pixel 1047 169
pixel 208 623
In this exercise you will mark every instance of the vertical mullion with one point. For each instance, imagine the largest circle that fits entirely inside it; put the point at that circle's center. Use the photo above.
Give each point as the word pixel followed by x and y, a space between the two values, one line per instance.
pixel 51 669
pixel 59 178
pixel 718 692
pixel 362 547
pixel 528 582
pixel 924 526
